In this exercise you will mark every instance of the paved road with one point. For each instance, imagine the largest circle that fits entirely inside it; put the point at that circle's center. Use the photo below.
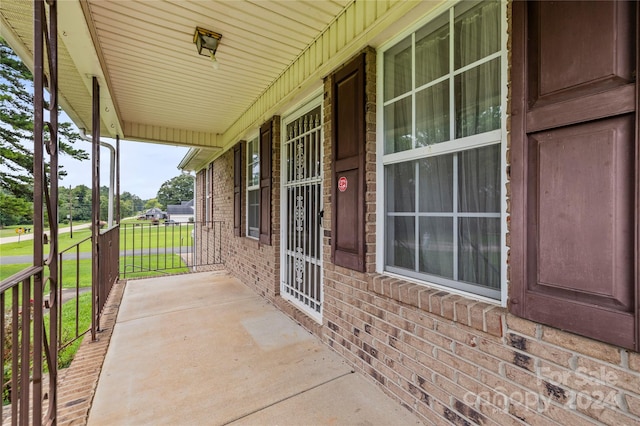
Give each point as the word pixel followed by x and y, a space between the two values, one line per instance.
pixel 70 293
pixel 10 260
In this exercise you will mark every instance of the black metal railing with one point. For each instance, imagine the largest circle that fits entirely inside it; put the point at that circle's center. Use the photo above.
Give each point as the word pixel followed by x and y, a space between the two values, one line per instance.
pixel 169 247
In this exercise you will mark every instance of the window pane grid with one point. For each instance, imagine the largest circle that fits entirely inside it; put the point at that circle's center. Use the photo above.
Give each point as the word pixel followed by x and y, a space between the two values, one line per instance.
pixel 416 225
pixel 452 93
pixel 481 251
pixel 442 114
pixel 253 188
pixel 445 77
pixel 397 137
pixel 458 214
pixel 208 198
pixel 455 217
pixel 413 97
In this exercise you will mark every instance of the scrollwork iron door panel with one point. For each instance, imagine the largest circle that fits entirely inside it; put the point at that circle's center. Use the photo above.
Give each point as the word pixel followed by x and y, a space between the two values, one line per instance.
pixel 302 280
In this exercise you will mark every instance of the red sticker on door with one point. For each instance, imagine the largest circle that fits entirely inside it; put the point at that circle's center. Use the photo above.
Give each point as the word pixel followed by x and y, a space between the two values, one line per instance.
pixel 342 184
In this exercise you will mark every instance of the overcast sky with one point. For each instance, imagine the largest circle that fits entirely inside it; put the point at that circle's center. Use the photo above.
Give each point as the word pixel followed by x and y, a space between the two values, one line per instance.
pixel 143 167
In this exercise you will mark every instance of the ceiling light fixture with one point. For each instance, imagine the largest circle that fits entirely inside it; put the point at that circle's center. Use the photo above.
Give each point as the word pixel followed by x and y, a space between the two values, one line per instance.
pixel 208 41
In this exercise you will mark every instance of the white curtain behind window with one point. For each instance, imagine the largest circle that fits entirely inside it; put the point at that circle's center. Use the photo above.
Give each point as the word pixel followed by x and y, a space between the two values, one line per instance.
pixel 477 34
pixel 432 103
pixel 443 211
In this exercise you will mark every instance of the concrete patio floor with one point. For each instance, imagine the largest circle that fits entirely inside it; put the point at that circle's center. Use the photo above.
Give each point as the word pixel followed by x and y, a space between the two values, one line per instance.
pixel 204 349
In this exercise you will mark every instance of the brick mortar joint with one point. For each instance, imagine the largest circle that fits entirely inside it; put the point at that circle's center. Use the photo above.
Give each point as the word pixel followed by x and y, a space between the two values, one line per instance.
pixel 624 353
pixel 524 389
pixel 464 302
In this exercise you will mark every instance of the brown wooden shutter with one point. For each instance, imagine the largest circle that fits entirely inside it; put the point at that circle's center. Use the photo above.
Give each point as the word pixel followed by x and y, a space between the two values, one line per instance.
pixel 264 200
pixel 348 145
pixel 237 190
pixel 575 168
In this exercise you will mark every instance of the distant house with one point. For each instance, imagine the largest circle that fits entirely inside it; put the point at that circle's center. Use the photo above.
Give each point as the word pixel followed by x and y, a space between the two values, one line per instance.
pixel 183 212
pixel 155 213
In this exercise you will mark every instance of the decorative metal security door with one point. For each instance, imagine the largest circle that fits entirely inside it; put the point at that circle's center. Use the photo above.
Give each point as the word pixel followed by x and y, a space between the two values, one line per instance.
pixel 302 212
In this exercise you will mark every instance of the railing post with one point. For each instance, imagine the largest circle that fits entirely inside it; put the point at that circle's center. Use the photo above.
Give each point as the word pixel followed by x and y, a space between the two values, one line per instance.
pixel 44 193
pixel 52 207
pixel 95 208
pixel 39 18
pixel 118 212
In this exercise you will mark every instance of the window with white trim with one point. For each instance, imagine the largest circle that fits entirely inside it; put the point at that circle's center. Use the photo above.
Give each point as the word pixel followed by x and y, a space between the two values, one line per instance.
pixel 208 202
pixel 442 115
pixel 253 188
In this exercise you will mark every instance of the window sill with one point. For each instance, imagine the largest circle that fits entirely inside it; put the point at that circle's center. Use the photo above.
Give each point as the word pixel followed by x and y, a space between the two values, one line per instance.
pixel 472 313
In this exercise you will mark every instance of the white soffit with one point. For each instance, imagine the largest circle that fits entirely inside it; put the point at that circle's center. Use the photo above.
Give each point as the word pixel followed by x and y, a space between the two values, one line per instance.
pixel 16 26
pixel 162 88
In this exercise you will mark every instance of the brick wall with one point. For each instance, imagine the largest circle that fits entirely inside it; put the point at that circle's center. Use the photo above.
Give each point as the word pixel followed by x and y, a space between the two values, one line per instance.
pixel 445 357
pixel 254 263
pixel 451 359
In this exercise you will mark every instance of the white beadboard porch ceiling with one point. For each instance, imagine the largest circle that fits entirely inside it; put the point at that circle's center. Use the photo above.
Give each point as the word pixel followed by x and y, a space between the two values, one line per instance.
pixel 155 87
pixel 157 77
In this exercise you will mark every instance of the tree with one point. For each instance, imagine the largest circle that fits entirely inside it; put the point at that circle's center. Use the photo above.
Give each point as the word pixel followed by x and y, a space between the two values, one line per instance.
pixel 81 196
pixel 14 210
pixel 16 127
pixel 130 204
pixel 104 207
pixel 151 204
pixel 126 208
pixel 65 204
pixel 175 190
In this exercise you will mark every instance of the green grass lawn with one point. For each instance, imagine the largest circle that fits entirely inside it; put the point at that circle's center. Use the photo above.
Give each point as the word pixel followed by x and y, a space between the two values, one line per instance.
pixel 155 236
pixel 131 238
pixel 10 230
pixel 136 267
pixel 65 356
pixel 69 272
pixel 25 247
pixel 143 266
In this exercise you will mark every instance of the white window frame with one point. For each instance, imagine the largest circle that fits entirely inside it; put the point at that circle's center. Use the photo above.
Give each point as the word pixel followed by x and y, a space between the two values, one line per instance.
pixel 250 188
pixel 455 145
pixel 208 195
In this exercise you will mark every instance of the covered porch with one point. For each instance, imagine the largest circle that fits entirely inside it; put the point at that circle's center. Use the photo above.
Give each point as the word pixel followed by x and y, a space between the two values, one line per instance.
pixel 407 180
pixel 205 349
pixel 135 71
